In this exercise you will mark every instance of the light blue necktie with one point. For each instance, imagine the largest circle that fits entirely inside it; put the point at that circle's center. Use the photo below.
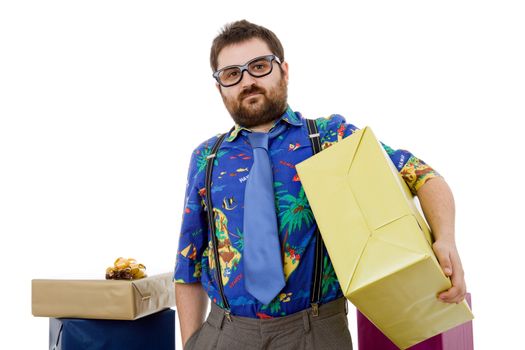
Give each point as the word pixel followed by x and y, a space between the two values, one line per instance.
pixel 263 267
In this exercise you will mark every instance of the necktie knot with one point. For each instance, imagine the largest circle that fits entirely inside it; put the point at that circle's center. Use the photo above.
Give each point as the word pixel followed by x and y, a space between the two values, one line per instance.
pixel 258 139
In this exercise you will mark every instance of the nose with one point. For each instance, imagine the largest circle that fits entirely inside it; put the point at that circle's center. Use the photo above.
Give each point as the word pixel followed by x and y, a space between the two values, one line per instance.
pixel 246 79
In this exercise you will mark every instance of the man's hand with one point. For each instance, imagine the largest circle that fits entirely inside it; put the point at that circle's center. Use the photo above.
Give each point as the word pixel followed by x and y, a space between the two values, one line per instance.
pixel 448 257
pixel 192 302
pixel 438 206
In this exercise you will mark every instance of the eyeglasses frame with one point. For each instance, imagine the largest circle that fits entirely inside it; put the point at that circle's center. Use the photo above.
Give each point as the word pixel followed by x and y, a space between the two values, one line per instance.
pixel 244 67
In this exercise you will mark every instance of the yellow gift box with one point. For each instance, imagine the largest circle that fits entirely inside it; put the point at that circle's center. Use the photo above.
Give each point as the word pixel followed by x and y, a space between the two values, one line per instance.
pixel 377 240
pixel 102 299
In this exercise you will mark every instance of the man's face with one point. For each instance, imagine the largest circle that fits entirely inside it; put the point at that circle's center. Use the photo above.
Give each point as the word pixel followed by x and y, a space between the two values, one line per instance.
pixel 253 101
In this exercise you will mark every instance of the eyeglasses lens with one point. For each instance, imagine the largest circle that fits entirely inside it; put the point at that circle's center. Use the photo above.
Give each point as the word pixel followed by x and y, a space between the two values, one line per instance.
pixel 256 68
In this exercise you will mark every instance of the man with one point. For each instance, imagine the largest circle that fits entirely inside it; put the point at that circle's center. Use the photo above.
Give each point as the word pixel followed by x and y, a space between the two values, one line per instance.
pixel 251 310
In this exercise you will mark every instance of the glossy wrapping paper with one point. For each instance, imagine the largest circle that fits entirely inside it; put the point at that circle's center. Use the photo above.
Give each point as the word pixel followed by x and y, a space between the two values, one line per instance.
pixel 379 243
pixel 102 299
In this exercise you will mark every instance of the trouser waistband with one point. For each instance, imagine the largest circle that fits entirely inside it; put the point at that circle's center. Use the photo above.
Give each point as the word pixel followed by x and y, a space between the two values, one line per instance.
pixel 217 317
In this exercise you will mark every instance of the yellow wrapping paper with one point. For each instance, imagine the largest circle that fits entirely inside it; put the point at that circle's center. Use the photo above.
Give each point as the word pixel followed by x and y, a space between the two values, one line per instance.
pixel 102 299
pixel 379 243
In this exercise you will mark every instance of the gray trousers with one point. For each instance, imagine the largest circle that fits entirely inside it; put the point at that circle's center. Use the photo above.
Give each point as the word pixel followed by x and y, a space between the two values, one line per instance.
pixel 298 331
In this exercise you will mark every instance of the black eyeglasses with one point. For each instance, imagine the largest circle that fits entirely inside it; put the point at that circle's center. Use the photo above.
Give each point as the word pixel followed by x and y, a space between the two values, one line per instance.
pixel 257 67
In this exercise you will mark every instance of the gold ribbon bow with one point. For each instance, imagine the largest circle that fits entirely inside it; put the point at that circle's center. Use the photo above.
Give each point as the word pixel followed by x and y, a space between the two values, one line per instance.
pixel 126 269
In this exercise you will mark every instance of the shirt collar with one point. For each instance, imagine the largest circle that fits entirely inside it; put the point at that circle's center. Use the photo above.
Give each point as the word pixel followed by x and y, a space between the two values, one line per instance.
pixel 288 116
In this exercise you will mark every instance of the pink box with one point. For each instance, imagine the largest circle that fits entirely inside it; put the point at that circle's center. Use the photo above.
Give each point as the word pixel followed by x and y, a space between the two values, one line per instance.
pixel 457 338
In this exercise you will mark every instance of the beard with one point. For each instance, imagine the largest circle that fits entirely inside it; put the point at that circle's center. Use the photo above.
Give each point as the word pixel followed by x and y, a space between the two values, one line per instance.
pixel 262 109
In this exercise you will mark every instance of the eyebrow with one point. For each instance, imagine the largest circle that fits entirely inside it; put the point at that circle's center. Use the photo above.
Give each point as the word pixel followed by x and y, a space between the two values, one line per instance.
pixel 238 65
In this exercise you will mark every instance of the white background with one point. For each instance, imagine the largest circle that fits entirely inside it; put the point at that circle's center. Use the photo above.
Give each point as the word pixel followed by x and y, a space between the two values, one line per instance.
pixel 102 102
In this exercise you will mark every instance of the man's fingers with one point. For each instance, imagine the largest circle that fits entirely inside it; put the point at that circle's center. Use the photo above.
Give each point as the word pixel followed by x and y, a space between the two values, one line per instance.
pixel 457 267
pixel 443 256
pixel 451 264
pixel 453 295
pixel 457 292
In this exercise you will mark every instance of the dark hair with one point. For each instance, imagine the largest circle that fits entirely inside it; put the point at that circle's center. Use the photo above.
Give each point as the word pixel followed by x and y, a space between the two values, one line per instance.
pixel 240 31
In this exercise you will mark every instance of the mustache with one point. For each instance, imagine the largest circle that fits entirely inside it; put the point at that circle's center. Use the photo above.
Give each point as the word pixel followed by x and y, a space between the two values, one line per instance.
pixel 251 90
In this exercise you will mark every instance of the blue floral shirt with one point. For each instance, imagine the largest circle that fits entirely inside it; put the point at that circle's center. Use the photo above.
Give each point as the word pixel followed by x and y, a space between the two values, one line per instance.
pixel 289 146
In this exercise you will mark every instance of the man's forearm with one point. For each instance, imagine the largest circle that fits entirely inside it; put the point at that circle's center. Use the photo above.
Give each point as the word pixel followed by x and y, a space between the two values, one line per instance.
pixel 192 302
pixel 438 206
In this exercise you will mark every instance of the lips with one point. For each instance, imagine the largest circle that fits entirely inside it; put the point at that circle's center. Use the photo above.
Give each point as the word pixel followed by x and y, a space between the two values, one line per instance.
pixel 253 91
pixel 252 94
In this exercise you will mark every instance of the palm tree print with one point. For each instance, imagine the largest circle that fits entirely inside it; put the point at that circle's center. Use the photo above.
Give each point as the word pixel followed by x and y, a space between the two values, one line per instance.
pixel 201 158
pixel 322 123
pixel 329 278
pixel 275 304
pixel 294 211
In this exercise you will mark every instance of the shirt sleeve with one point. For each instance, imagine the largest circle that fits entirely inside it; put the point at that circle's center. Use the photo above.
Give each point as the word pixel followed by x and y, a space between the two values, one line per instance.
pixel 193 233
pixel 414 171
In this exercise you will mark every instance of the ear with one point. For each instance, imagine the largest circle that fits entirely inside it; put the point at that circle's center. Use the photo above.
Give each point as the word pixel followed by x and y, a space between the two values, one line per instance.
pixel 284 66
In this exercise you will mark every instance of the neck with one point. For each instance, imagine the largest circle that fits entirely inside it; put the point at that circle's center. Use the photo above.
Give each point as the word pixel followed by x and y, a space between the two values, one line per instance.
pixel 263 128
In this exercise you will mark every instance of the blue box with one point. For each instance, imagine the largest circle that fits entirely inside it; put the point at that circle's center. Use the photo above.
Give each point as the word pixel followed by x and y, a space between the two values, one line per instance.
pixel 155 332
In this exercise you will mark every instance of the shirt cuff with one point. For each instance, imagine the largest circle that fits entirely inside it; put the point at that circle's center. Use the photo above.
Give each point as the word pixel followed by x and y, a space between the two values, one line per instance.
pixel 187 271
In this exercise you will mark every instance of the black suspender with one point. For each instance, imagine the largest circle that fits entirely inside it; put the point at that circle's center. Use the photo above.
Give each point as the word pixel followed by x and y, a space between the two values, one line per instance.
pixel 211 221
pixel 315 293
pixel 318 262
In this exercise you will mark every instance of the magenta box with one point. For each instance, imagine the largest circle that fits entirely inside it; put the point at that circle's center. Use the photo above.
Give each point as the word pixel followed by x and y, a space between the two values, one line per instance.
pixel 457 338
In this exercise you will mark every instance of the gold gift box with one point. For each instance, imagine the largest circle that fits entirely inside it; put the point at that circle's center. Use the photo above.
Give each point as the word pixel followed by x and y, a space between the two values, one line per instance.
pixel 379 243
pixel 102 299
